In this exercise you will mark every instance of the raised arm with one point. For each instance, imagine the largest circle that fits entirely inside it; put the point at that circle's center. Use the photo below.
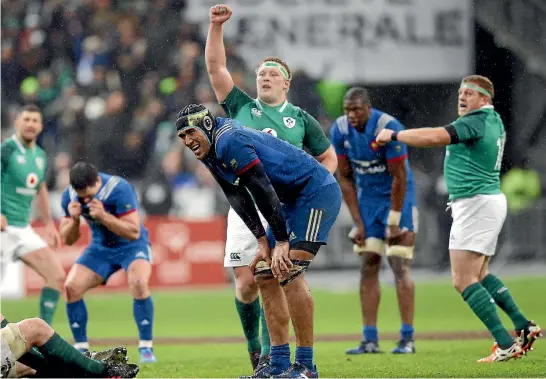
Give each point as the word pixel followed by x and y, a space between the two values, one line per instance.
pixel 215 53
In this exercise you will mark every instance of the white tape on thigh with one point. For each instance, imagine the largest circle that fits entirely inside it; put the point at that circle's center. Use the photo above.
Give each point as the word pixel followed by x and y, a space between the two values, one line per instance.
pixel 373 245
pixel 400 251
pixel 15 340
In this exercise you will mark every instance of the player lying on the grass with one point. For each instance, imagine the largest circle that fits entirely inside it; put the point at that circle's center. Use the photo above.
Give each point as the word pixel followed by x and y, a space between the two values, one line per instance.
pixel 475 145
pixel 299 198
pixel 24 166
pixel 32 348
pixel 378 187
pixel 272 113
pixel 119 241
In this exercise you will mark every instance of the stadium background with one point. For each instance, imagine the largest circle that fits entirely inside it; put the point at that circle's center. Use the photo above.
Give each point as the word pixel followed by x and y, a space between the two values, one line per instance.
pixel 110 75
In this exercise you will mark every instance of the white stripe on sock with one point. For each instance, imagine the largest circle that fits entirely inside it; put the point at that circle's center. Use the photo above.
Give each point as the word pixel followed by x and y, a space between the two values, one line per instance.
pixel 145 344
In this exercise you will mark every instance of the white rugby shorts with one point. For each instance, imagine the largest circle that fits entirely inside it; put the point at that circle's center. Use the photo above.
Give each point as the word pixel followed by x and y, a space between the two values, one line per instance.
pixel 477 223
pixel 241 245
pixel 18 241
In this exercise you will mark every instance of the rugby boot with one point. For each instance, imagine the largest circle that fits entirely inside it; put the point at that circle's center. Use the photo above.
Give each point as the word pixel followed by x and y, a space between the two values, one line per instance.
pixel 404 347
pixel 298 370
pixel 365 347
pixel 527 337
pixel 500 355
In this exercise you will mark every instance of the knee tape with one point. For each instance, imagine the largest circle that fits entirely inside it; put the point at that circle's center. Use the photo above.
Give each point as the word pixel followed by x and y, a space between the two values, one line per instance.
pixel 15 340
pixel 298 267
pixel 373 245
pixel 400 251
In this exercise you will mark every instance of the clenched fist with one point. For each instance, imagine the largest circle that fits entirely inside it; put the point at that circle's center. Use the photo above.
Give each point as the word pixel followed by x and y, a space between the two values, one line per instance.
pixel 75 210
pixel 219 14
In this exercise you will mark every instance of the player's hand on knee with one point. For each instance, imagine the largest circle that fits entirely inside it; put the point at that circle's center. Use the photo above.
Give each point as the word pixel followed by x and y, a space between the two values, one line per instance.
pixel 281 263
pixel 4 223
pixel 384 137
pixel 358 235
pixel 220 13
pixel 394 235
pixel 262 254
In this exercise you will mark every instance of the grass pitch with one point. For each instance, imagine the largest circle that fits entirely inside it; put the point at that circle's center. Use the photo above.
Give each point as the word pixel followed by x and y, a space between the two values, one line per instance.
pixel 198 334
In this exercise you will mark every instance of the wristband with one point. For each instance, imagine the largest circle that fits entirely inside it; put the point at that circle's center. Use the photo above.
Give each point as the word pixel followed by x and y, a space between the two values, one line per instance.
pixel 394 218
pixel 394 136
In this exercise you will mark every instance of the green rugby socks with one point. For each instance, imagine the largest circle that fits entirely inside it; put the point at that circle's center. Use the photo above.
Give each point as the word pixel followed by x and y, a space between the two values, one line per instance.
pixel 483 306
pixel 250 320
pixel 504 300
pixel 48 303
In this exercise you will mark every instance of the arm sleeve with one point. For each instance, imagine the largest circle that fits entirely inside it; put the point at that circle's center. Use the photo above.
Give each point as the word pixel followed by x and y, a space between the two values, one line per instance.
pixel 257 182
pixel 395 151
pixel 233 103
pixel 469 128
pixel 315 139
pixel 337 140
pixel 126 200
pixel 65 200
pixel 241 201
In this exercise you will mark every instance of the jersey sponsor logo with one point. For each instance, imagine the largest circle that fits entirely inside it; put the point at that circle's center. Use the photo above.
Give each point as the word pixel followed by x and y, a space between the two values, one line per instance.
pixel 369 167
pixel 40 162
pixel 346 144
pixel 289 122
pixel 273 132
pixel 21 159
pixel 233 163
pixel 374 146
pixel 32 180
pixel 256 112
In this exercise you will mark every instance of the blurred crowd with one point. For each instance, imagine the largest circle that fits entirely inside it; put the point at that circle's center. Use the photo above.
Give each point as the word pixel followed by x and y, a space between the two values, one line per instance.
pixel 110 77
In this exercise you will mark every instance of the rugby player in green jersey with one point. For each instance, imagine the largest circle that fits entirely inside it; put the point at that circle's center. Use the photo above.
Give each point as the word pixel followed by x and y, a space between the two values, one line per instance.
pixel 24 167
pixel 273 114
pixel 475 145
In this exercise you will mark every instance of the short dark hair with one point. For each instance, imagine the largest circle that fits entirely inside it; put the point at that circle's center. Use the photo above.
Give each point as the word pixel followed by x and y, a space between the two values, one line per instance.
pixel 358 93
pixel 30 108
pixel 83 175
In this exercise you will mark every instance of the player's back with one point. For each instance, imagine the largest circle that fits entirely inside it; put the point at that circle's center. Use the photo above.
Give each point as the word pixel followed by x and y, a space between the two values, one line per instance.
pixel 368 160
pixel 291 170
pixel 473 167
pixel 23 171
pixel 118 198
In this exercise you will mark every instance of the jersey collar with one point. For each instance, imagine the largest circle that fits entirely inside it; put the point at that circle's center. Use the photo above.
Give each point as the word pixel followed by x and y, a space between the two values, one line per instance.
pixel 280 107
pixel 488 106
pixel 20 144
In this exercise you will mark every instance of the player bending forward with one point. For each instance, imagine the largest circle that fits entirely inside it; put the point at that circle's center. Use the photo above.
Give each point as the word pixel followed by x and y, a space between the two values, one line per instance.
pixel 273 114
pixel 119 241
pixel 47 355
pixel 475 145
pixel 24 167
pixel 378 187
pixel 250 164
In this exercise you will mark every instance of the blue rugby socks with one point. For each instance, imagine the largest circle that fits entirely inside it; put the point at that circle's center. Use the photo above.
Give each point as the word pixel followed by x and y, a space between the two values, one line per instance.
pixel 370 333
pixel 77 317
pixel 280 359
pixel 143 312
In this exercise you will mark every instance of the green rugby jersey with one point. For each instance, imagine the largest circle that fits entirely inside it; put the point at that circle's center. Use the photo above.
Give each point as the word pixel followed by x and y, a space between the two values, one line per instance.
pixel 286 121
pixel 472 167
pixel 23 171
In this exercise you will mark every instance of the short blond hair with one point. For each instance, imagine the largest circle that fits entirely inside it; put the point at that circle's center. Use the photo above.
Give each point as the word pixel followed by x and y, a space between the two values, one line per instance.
pixel 480 81
pixel 279 61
